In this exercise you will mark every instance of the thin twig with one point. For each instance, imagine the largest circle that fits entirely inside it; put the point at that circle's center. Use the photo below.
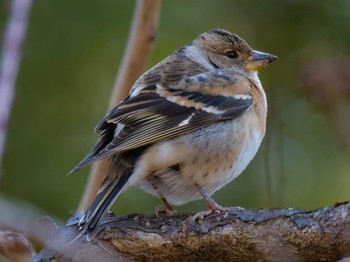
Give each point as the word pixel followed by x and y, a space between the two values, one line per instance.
pixel 139 47
pixel 11 56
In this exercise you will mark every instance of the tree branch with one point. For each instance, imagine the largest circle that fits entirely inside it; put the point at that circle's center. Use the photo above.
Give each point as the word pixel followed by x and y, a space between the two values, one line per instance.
pixel 15 247
pixel 139 47
pixel 238 235
pixel 11 56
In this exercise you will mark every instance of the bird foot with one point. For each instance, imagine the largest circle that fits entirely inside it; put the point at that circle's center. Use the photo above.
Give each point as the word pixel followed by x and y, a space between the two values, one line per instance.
pixel 200 215
pixel 234 209
pixel 158 210
pixel 217 209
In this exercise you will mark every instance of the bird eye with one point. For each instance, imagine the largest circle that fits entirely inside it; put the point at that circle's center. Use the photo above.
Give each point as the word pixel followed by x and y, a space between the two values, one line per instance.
pixel 231 54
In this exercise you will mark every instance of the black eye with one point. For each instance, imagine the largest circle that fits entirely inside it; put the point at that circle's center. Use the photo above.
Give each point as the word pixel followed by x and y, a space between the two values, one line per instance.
pixel 231 54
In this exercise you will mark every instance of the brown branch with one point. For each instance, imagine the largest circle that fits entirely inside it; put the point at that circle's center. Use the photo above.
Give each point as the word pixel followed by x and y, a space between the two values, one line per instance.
pixel 15 247
pixel 23 217
pixel 139 47
pixel 239 235
pixel 11 55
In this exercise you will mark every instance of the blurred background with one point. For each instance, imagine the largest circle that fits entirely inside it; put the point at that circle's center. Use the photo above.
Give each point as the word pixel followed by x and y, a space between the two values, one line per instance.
pixel 70 60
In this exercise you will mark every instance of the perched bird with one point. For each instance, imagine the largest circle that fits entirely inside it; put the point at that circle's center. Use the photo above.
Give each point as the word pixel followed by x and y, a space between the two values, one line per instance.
pixel 191 124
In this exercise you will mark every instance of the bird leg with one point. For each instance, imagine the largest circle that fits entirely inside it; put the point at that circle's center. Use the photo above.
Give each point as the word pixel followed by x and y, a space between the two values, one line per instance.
pixel 166 208
pixel 213 207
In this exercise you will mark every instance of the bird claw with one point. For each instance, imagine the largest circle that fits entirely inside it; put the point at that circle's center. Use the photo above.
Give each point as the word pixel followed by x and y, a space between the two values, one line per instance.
pixel 163 210
pixel 218 209
pixel 200 215
pixel 234 209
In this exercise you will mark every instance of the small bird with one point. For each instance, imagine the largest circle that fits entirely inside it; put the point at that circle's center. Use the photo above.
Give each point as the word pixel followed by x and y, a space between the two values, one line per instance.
pixel 190 125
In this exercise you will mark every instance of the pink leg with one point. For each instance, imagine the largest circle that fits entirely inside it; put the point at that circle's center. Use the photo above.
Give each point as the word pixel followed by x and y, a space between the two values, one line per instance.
pixel 166 208
pixel 212 207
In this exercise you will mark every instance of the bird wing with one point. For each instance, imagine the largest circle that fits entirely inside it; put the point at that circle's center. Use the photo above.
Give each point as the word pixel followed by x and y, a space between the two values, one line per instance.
pixel 158 112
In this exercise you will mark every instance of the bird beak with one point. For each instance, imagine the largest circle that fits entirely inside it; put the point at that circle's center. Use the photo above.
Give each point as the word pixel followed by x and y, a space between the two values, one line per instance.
pixel 258 60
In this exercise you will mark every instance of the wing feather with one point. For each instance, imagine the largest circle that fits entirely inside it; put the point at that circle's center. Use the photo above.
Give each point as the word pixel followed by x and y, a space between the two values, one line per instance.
pixel 158 113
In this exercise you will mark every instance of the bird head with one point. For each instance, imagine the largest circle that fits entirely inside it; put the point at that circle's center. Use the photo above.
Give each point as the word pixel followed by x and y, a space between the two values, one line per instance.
pixel 225 50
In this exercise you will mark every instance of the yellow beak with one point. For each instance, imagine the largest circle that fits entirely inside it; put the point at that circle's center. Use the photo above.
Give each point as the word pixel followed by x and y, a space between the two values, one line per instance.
pixel 258 60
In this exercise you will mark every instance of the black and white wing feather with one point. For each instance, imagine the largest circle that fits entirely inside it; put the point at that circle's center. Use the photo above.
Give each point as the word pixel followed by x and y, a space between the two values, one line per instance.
pixel 157 113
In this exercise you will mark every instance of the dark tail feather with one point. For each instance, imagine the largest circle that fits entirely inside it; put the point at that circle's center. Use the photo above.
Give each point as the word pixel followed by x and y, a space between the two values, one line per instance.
pixel 110 190
pixel 107 133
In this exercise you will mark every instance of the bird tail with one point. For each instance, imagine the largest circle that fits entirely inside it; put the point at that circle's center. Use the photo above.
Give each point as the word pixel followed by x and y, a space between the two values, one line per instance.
pixel 112 186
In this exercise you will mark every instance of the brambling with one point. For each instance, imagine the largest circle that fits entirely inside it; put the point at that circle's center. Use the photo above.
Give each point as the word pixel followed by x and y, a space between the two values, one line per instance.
pixel 191 124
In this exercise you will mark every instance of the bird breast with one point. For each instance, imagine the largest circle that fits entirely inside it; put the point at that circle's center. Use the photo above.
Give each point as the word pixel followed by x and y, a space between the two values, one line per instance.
pixel 210 157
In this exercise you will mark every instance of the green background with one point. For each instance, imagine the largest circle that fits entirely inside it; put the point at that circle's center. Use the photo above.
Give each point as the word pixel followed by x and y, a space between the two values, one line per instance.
pixel 70 59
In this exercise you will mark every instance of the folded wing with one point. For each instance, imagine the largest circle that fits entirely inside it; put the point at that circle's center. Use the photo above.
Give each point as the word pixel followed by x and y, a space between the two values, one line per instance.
pixel 157 113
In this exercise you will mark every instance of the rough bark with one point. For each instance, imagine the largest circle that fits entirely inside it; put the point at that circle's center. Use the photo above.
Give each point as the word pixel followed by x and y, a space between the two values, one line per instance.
pixel 237 235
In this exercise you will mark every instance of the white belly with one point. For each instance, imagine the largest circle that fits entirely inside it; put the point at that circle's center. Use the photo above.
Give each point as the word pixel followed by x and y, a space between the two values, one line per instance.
pixel 210 158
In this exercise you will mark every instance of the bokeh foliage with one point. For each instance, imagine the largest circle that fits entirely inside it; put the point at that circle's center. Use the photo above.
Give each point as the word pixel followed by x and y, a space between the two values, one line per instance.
pixel 70 60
